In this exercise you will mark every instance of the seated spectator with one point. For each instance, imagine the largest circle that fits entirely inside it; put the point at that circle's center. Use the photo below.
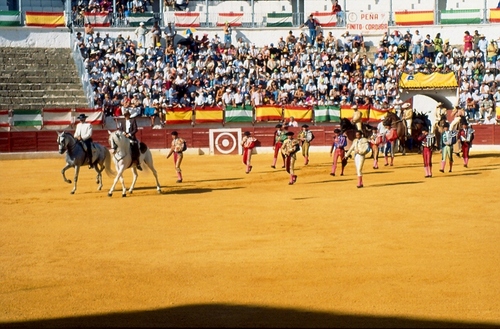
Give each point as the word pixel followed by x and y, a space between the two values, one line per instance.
pixel 490 120
pixel 181 4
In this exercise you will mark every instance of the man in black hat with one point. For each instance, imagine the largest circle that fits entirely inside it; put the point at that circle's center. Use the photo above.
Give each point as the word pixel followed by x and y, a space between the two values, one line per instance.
pixel 83 133
pixel 130 129
pixel 305 137
pixel 289 149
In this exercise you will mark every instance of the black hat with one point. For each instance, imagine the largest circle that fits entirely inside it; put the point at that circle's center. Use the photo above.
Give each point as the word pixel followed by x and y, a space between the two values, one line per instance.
pixel 446 125
pixel 337 131
pixel 174 133
pixel 279 125
pixel 82 117
pixel 246 133
pixel 290 133
pixel 425 129
pixel 305 126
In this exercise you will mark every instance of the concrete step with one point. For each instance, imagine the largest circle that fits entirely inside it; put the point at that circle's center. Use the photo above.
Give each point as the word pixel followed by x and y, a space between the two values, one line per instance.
pixel 39 86
pixel 41 93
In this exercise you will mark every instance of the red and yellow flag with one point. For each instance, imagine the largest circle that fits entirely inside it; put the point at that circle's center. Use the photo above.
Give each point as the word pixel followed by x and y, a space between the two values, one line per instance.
pixel 268 113
pixel 179 116
pixel 346 112
pixel 300 113
pixel 208 114
pixel 44 19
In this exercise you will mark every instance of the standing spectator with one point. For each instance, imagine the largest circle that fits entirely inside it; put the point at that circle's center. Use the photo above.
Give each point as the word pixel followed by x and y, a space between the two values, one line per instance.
pixel 337 11
pixel 357 148
pixel 289 149
pixel 248 143
pixel 427 144
pixel 141 32
pixel 446 147
pixel 468 40
pixel 83 133
pixel 181 5
pixel 156 34
pixel 227 31
pixel 338 151
pixel 89 31
pixel 482 44
pixel 466 137
pixel 416 44
pixel 177 149
pixel 475 40
pixel 311 23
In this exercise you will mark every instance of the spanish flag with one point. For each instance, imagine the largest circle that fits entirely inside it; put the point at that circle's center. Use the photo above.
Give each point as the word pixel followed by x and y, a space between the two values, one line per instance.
pixel 268 113
pixel 408 18
pixel 377 114
pixel 208 114
pixel 346 111
pixel 179 116
pixel 299 113
pixel 44 19
pixel 57 118
pixel 494 15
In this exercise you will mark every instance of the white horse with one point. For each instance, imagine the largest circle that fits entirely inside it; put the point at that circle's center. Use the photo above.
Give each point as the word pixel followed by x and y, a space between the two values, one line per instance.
pixel 77 157
pixel 122 157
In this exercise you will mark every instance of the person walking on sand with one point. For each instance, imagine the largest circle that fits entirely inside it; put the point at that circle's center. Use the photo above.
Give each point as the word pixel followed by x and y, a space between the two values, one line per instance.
pixel 177 149
pixel 338 151
pixel 290 148
pixel 279 137
pixel 446 147
pixel 305 137
pixel 358 147
pixel 427 141
pixel 248 143
pixel 466 137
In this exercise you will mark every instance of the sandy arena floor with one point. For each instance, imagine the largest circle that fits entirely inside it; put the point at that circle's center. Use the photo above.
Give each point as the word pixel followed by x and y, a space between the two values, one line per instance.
pixel 227 249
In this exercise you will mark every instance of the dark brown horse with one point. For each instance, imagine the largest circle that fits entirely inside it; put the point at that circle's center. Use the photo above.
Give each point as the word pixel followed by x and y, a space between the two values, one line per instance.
pixel 395 122
pixel 349 128
pixel 419 121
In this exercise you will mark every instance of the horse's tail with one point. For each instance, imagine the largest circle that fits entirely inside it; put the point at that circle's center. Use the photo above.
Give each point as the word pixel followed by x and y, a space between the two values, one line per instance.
pixel 107 163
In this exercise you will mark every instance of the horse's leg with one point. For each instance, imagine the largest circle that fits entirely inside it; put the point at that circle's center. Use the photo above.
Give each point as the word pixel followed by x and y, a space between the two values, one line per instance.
pixel 99 167
pixel 134 179
pixel 77 170
pixel 403 145
pixel 118 176
pixel 63 172
pixel 148 159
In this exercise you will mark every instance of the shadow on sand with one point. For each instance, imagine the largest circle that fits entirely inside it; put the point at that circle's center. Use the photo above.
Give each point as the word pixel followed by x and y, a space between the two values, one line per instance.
pixel 238 316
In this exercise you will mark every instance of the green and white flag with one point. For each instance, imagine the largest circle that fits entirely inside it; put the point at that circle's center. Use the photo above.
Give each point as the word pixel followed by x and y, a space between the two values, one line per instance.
pixel 327 113
pixel 135 19
pixel 27 118
pixel 10 18
pixel 279 20
pixel 238 113
pixel 461 16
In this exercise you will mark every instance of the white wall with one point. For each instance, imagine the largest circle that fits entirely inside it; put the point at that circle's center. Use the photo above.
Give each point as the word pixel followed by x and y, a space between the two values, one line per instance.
pixel 60 37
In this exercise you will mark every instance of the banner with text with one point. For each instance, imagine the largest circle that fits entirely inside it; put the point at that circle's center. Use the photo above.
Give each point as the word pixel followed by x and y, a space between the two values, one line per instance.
pixel 372 23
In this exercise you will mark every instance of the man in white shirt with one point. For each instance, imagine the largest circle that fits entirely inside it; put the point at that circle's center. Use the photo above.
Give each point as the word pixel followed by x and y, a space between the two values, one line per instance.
pixel 83 133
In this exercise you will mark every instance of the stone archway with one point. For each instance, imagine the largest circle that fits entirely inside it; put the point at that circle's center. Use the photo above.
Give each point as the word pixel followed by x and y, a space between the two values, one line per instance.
pixel 449 97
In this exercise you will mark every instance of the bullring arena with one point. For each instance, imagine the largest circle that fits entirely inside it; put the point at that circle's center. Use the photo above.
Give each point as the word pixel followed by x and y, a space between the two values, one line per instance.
pixel 229 249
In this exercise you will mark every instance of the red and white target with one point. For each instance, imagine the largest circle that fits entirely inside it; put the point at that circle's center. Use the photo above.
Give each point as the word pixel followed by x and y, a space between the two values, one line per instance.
pixel 225 141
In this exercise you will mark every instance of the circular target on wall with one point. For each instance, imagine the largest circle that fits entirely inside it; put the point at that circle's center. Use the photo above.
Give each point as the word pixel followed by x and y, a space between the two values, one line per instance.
pixel 225 141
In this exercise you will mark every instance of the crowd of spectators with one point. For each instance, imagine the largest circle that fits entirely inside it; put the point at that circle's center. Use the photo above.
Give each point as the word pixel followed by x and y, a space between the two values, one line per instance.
pixel 123 9
pixel 127 76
